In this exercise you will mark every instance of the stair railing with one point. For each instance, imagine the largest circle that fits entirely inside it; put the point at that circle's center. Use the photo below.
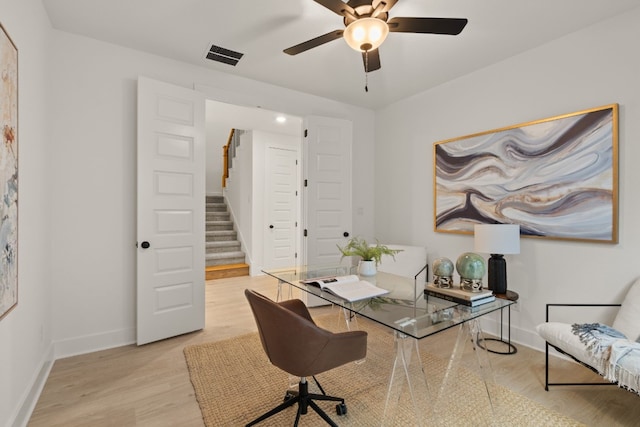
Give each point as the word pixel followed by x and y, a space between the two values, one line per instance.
pixel 229 153
pixel 225 159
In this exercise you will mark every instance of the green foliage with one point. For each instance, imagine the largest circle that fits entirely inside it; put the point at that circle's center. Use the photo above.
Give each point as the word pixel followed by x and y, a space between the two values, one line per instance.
pixel 359 247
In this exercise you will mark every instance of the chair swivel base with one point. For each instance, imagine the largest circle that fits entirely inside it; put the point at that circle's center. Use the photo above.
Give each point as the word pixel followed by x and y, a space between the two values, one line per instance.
pixel 304 399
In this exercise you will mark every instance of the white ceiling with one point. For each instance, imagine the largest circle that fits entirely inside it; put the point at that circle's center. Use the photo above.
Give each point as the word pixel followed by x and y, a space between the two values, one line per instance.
pixel 224 117
pixel 261 29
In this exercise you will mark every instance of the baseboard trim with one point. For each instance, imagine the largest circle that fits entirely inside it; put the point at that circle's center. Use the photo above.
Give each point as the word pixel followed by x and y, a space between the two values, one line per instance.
pixel 96 342
pixel 31 396
pixel 519 336
pixel 59 350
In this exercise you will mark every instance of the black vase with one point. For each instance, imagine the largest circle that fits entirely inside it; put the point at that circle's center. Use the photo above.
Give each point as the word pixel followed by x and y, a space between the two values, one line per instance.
pixel 497 274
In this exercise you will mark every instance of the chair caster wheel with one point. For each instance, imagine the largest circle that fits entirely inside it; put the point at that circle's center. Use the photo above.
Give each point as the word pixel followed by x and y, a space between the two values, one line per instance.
pixel 341 409
pixel 289 395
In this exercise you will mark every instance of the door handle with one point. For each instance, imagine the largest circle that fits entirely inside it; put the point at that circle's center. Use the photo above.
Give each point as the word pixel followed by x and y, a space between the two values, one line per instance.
pixel 145 245
pixel 345 234
pixel 271 226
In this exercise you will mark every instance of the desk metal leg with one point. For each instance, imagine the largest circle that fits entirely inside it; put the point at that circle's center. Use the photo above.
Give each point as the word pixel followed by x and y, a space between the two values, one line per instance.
pixel 407 367
pixel 511 349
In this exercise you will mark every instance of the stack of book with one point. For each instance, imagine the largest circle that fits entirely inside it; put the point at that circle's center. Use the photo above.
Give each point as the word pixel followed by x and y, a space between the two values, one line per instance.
pixel 460 296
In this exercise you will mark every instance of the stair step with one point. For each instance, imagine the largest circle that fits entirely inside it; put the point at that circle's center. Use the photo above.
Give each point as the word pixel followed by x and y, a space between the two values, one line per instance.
pixel 215 262
pixel 217 251
pixel 224 271
pixel 218 216
pixel 216 207
pixel 214 199
pixel 219 225
pixel 223 255
pixel 217 236
pixel 223 246
pixel 222 258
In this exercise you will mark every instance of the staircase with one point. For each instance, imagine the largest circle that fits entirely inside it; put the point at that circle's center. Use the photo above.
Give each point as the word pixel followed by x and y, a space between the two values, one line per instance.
pixel 223 256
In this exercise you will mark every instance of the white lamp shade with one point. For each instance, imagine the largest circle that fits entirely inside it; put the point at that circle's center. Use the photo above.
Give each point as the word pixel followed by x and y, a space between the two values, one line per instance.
pixel 366 34
pixel 497 238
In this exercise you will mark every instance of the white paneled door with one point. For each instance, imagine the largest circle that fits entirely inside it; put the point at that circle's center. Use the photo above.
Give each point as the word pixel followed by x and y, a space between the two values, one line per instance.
pixel 282 208
pixel 171 210
pixel 327 195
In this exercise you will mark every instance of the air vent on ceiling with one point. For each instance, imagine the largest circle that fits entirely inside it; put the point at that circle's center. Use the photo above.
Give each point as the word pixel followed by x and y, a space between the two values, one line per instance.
pixel 226 56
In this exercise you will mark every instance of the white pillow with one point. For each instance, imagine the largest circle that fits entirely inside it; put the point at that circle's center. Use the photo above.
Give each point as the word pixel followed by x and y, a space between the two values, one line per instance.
pixel 407 263
pixel 627 320
pixel 560 335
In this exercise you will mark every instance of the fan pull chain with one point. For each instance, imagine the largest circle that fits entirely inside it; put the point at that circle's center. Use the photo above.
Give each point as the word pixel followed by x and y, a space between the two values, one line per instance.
pixel 366 71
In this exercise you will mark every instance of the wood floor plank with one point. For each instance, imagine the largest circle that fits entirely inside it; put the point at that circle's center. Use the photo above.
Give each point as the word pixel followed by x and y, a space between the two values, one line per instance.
pixel 149 385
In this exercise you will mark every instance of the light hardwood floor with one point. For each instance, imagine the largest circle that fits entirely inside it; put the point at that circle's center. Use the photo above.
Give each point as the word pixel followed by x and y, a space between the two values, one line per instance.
pixel 150 386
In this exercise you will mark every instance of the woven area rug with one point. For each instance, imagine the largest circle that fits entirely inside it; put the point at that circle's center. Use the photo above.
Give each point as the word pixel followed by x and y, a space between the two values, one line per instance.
pixel 235 383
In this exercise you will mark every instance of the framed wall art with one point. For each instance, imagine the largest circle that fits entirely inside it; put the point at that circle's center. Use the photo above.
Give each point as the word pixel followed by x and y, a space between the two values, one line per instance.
pixel 557 178
pixel 8 174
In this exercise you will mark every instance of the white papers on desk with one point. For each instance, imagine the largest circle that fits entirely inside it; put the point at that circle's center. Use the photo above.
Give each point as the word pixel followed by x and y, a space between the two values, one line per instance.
pixel 349 288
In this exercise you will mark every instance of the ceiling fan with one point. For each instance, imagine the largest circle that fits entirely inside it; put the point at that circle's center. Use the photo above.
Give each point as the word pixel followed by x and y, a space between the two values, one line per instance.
pixel 367 25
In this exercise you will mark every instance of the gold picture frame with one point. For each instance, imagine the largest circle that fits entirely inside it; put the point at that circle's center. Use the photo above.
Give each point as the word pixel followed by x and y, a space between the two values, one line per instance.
pixel 8 174
pixel 557 178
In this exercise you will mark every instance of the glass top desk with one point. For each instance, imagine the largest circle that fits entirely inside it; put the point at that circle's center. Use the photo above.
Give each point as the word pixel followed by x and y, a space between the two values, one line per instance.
pixel 412 316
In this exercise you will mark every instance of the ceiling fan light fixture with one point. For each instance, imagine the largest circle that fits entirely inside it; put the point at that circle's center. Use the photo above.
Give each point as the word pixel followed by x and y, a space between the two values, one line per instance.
pixel 366 34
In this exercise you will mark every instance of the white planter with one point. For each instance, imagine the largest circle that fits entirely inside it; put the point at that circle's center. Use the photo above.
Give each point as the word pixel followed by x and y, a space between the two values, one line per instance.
pixel 367 268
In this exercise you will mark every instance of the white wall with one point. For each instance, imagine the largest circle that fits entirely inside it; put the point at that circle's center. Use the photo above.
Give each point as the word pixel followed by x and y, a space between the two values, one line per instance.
pixel 222 117
pixel 25 333
pixel 93 173
pixel 590 68
pixel 217 134
pixel 239 193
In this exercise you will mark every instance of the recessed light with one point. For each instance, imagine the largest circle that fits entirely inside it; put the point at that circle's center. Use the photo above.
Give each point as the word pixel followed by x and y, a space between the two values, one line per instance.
pixel 281 119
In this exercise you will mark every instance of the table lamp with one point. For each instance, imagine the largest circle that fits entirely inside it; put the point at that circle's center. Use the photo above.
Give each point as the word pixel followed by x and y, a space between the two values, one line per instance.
pixel 497 240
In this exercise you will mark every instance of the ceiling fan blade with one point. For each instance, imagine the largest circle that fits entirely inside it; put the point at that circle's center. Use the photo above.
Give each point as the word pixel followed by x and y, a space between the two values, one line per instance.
pixel 337 6
pixel 451 26
pixel 310 44
pixel 388 4
pixel 371 60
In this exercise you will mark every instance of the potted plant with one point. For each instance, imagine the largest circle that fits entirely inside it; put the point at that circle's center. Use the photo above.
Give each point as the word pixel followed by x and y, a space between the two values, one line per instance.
pixel 370 255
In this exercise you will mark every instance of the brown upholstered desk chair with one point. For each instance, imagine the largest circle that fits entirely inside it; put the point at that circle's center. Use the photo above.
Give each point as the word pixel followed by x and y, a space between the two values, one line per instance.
pixel 295 344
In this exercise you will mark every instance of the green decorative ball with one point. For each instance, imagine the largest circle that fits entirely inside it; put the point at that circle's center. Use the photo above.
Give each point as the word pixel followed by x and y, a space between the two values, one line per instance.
pixel 471 266
pixel 443 267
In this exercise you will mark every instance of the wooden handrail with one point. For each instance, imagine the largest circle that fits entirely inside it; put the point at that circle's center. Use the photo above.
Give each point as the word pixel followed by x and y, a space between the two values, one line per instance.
pixel 225 156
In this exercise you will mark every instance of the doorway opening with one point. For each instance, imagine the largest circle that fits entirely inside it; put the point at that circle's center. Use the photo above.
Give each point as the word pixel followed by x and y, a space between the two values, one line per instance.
pixel 260 199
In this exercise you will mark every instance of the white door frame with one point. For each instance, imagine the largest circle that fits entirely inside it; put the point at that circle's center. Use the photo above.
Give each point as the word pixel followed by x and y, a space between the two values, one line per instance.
pixel 251 101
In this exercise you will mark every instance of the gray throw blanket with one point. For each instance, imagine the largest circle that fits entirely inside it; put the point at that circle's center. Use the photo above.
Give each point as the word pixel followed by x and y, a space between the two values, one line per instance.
pixel 624 365
pixel 597 337
pixel 618 358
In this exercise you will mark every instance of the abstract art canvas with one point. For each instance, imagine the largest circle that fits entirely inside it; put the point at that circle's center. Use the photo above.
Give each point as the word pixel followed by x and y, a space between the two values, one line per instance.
pixel 8 174
pixel 556 178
